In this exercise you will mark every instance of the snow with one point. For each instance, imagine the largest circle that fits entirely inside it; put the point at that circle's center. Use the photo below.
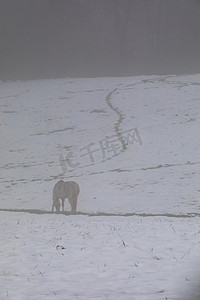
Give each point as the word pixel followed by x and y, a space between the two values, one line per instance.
pixel 136 233
pixel 76 257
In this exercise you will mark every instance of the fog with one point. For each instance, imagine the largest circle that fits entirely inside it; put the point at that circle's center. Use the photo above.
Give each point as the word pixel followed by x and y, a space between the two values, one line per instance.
pixel 87 38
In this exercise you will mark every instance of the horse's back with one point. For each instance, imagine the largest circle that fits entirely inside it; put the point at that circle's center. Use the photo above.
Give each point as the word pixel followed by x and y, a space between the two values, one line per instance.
pixel 74 187
pixel 66 189
pixel 58 188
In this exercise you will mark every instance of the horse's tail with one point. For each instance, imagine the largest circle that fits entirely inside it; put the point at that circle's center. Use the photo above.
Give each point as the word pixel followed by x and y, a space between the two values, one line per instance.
pixel 75 193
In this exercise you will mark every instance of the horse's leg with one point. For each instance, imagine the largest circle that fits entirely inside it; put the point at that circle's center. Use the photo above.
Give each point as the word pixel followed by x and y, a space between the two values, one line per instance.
pixel 53 204
pixel 63 200
pixel 56 204
pixel 73 203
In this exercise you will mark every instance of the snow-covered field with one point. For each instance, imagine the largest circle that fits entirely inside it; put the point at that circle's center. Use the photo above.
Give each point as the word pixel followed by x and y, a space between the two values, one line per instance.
pixel 133 145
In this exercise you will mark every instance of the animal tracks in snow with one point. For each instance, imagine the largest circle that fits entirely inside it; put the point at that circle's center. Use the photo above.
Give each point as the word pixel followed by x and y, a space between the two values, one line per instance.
pixel 117 126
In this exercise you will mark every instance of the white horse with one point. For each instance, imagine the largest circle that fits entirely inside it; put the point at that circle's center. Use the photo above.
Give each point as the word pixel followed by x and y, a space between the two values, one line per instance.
pixel 68 189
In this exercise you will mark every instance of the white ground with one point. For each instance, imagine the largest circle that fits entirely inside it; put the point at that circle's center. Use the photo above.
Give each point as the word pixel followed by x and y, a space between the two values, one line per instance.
pixel 103 257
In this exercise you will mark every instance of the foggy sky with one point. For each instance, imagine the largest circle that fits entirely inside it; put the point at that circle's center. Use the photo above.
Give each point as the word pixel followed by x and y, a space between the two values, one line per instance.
pixel 51 39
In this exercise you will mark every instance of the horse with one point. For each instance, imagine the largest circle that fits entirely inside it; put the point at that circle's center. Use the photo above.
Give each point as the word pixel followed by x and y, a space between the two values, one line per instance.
pixel 62 190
